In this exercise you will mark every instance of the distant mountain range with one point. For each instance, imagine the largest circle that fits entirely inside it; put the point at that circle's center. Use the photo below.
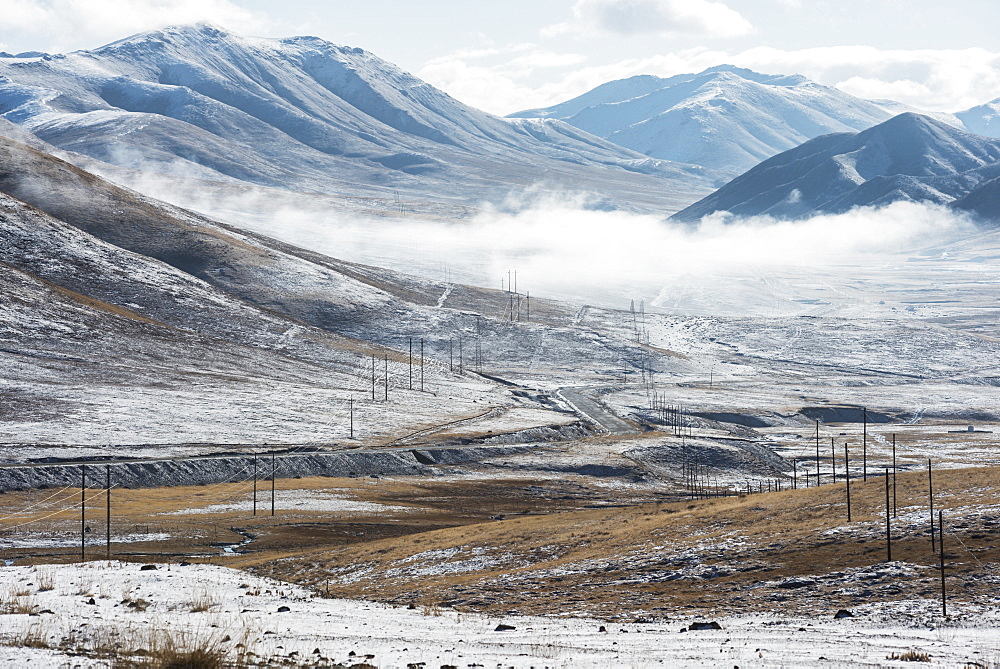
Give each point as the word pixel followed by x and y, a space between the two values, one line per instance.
pixel 726 119
pixel 301 114
pixel 909 157
pixel 304 114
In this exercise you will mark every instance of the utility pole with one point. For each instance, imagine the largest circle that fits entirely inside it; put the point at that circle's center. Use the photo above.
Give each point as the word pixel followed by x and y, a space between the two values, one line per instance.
pixel 411 363
pixel 461 362
pixel 255 484
pixel 350 410
pixel 833 460
pixel 373 377
pixel 386 377
pixel 527 299
pixel 107 524
pixel 421 364
pixel 888 531
pixel 83 512
pixel 272 483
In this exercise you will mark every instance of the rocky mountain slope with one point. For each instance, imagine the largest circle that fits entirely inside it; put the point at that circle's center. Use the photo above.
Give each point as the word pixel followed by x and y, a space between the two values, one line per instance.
pixel 982 119
pixel 726 119
pixel 910 157
pixel 303 114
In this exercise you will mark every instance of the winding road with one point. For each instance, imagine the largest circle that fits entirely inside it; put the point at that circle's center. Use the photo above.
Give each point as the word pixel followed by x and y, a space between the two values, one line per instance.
pixel 592 409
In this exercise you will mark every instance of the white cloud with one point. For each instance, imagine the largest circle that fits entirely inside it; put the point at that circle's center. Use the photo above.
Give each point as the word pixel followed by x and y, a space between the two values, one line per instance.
pixel 947 80
pixel 931 79
pixel 61 25
pixel 563 247
pixel 667 17
pixel 496 79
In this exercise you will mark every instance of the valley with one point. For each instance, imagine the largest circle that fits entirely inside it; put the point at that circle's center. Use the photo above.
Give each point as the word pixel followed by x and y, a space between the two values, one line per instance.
pixel 285 324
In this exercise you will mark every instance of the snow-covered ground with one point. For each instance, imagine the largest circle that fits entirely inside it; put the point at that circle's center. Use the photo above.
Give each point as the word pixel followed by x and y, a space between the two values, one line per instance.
pixel 69 611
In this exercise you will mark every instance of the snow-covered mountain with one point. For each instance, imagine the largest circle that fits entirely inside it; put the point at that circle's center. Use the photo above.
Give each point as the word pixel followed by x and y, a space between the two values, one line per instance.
pixel 726 118
pixel 909 157
pixel 983 119
pixel 304 114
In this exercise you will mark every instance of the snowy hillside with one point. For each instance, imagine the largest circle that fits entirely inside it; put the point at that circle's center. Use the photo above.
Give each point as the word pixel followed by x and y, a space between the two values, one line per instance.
pixel 983 119
pixel 909 157
pixel 303 114
pixel 725 118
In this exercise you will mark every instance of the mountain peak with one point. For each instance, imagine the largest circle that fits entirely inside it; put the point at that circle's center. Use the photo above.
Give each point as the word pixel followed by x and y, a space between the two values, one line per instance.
pixel 908 157
pixel 725 118
pixel 202 101
pixel 183 33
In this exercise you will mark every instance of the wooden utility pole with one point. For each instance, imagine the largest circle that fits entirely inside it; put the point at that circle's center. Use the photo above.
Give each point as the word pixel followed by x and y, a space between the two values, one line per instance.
pixel 386 377
pixel 461 361
pixel 451 355
pixel 373 377
pixel 255 484
pixel 888 530
pixel 107 524
pixel 83 512
pixel 847 479
pixel 795 476
pixel 527 299
pixel 350 410
pixel 272 483
pixel 833 460
pixel 411 363
pixel 421 364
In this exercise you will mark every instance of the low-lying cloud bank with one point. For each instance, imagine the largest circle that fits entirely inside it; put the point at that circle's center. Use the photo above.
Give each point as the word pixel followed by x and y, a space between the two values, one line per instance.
pixel 560 247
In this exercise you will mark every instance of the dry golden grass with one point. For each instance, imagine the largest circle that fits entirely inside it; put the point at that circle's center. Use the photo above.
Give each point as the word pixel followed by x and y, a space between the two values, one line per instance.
pixel 552 555
pixel 910 656
pixel 599 560
pixel 421 506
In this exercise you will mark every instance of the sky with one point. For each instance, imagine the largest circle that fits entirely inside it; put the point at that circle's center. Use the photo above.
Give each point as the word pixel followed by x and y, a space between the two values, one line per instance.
pixel 521 54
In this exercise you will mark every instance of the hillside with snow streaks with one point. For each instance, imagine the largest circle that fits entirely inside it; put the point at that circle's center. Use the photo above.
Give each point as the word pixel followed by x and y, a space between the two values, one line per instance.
pixel 726 118
pixel 304 114
pixel 910 157
pixel 982 119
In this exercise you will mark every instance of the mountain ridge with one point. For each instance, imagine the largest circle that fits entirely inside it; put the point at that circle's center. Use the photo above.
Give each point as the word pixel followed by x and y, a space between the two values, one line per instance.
pixel 724 118
pixel 304 112
pixel 909 157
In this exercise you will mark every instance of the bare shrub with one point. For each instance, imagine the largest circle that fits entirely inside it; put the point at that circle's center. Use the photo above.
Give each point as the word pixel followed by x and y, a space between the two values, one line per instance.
pixel 46 581
pixel 203 602
pixel 910 656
